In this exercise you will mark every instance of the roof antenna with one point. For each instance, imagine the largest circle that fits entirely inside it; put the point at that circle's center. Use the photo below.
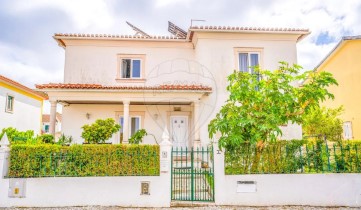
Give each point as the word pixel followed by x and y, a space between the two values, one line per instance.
pixel 196 20
pixel 176 31
pixel 137 30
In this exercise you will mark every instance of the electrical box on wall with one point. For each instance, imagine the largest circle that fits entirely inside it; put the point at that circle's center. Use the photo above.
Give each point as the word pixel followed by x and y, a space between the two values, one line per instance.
pixel 17 188
pixel 144 188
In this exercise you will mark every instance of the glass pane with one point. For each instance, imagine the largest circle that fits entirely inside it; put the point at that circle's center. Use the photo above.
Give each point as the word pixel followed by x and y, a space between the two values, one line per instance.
pixel 121 122
pixel 243 62
pixel 254 61
pixel 126 68
pixel 136 69
pixel 134 125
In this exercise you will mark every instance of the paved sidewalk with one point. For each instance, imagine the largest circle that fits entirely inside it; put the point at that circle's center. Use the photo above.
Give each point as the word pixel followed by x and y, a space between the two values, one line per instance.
pixel 191 208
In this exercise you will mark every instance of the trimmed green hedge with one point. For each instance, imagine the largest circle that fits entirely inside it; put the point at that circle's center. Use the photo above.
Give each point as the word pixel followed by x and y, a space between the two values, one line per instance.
pixel 297 156
pixel 84 160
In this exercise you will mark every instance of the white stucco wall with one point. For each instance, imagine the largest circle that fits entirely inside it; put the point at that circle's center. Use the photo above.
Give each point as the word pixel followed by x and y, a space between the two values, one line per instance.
pixel 287 189
pixel 26 115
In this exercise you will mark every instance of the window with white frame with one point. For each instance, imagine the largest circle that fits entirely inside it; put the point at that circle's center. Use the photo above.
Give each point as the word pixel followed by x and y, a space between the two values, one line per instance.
pixel 9 106
pixel 131 68
pixel 134 124
pixel 247 61
pixel 347 130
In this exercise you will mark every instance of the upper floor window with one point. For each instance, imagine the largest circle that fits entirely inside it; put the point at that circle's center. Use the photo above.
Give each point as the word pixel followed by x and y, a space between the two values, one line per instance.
pixel 247 61
pixel 9 106
pixel 131 67
pixel 247 58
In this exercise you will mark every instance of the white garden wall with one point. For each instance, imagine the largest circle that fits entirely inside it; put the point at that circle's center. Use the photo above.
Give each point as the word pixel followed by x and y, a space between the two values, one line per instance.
pixel 84 191
pixel 286 189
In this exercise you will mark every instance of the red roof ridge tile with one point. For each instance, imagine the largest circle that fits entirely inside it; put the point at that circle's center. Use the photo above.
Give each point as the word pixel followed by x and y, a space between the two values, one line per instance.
pixel 118 87
pixel 234 28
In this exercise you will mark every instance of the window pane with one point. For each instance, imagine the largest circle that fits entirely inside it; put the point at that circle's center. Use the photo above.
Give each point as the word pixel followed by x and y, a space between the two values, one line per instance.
pixel 126 68
pixel 243 62
pixel 121 122
pixel 254 61
pixel 134 125
pixel 136 69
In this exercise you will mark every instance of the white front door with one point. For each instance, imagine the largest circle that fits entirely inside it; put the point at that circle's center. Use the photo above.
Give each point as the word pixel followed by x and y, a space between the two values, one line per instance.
pixel 179 129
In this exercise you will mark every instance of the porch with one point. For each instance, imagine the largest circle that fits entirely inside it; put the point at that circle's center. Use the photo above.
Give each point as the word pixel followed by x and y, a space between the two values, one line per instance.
pixel 175 107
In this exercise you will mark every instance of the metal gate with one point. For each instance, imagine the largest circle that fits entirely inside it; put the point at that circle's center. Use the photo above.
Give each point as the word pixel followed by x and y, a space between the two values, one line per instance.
pixel 192 174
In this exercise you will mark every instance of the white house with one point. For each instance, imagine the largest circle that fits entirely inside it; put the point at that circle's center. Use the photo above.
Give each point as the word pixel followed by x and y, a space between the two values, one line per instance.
pixel 46 124
pixel 20 106
pixel 153 82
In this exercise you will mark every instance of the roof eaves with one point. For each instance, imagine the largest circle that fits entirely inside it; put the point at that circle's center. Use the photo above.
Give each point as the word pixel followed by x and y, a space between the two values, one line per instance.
pixel 334 50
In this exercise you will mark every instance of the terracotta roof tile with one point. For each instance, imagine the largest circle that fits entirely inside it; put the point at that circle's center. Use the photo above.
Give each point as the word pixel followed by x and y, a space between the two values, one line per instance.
pixel 233 28
pixel 23 87
pixel 116 36
pixel 101 87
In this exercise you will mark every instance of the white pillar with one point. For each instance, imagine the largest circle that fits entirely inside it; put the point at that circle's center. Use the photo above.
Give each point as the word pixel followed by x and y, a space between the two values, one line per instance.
pixel 125 122
pixel 165 165
pixel 52 117
pixel 197 138
pixel 4 156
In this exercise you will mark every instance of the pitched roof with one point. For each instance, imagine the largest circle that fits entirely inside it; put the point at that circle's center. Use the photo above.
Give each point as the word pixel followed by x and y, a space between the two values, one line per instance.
pixel 337 47
pixel 22 87
pixel 101 87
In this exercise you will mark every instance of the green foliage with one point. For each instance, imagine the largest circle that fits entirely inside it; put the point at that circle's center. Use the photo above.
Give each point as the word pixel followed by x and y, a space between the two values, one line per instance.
pixel 322 121
pixel 100 131
pixel 297 156
pixel 256 108
pixel 138 136
pixel 47 139
pixel 16 136
pixel 84 160
pixel 64 140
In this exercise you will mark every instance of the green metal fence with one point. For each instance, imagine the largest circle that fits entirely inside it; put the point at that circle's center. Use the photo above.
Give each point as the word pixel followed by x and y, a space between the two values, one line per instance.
pixel 80 165
pixel 285 159
pixel 192 174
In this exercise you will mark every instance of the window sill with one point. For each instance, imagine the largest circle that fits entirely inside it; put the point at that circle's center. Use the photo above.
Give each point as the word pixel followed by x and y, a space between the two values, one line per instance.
pixel 9 111
pixel 129 80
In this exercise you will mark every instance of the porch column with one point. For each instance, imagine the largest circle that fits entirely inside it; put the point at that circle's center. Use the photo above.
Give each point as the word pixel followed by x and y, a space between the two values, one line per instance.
pixel 197 138
pixel 52 117
pixel 125 122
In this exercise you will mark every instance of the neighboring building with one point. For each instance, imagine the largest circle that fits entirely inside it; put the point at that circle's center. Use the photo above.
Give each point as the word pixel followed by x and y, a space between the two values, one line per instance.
pixel 157 82
pixel 344 62
pixel 20 106
pixel 46 124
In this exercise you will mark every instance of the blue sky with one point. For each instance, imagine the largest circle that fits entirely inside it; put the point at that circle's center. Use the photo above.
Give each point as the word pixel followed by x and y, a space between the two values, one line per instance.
pixel 29 54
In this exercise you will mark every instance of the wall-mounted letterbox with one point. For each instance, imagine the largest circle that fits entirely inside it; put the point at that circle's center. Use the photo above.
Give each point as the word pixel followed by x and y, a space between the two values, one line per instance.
pixel 17 188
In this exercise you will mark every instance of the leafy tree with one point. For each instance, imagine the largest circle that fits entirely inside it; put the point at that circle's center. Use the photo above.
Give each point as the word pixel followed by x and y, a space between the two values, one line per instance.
pixel 100 131
pixel 322 121
pixel 259 103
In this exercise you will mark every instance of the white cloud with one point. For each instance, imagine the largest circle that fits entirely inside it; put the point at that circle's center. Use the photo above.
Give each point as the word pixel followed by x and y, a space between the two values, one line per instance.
pixel 16 63
pixel 85 14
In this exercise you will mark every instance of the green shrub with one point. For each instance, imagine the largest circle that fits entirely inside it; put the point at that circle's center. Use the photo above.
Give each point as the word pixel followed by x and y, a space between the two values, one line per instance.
pixel 100 131
pixel 16 136
pixel 83 160
pixel 65 140
pixel 47 139
pixel 297 156
pixel 138 136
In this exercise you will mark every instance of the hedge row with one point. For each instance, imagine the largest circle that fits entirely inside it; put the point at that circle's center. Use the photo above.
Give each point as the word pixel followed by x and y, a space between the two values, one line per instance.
pixel 297 156
pixel 84 160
